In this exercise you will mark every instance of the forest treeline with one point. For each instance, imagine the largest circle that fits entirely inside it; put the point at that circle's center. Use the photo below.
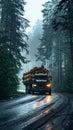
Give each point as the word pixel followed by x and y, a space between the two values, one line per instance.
pixel 56 48
pixel 13 40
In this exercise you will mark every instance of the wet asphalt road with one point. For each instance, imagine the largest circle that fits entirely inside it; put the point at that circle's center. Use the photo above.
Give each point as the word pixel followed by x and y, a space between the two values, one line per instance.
pixel 15 112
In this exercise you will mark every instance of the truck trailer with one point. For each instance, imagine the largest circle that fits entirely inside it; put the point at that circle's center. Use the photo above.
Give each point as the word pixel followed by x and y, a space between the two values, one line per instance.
pixel 37 81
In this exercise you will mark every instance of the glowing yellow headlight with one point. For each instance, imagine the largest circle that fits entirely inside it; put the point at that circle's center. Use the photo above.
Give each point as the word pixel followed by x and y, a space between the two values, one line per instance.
pixel 34 85
pixel 48 85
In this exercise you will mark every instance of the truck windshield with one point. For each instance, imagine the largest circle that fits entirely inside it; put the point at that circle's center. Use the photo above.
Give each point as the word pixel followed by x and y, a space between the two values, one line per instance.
pixel 41 77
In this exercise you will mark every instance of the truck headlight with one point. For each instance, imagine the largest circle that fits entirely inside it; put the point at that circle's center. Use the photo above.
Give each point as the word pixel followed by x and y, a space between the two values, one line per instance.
pixel 48 85
pixel 34 85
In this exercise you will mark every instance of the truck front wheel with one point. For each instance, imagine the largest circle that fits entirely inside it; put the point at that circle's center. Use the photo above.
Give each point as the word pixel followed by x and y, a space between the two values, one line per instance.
pixel 32 92
pixel 49 92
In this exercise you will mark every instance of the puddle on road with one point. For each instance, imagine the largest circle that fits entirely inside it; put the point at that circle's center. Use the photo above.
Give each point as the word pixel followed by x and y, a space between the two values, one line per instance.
pixel 48 99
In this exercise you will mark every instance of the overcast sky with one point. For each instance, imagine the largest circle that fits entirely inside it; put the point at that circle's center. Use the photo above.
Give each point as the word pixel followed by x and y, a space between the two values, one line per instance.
pixel 33 11
pixel 34 15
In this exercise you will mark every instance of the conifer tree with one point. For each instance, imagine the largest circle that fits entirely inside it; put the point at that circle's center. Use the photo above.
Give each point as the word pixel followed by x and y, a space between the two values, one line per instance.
pixel 45 48
pixel 12 43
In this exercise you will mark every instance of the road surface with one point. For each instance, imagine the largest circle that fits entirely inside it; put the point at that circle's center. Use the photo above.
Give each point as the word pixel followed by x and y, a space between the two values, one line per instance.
pixel 38 112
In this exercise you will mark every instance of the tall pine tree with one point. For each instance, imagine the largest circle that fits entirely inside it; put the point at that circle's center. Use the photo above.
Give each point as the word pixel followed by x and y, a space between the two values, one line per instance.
pixel 12 43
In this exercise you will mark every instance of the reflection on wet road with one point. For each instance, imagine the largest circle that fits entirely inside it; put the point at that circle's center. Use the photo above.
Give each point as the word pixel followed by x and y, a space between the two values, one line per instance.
pixel 47 99
pixel 21 109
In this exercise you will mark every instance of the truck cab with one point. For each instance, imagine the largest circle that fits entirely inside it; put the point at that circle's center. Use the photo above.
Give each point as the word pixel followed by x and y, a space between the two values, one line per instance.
pixel 37 80
pixel 41 84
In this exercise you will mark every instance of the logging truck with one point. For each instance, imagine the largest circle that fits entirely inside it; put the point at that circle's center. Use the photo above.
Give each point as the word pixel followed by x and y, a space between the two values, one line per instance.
pixel 37 80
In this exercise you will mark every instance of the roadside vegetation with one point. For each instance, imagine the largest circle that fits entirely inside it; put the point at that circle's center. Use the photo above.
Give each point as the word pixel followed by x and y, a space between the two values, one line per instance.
pixel 56 48
pixel 12 42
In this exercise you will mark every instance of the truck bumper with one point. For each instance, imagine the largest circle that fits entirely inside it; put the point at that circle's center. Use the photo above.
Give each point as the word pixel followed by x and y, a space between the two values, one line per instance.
pixel 41 91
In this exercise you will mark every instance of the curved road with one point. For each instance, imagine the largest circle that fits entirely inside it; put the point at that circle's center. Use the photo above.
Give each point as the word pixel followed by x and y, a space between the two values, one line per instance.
pixel 15 113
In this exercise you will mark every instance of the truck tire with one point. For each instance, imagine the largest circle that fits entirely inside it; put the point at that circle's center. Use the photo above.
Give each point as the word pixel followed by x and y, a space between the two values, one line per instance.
pixel 32 92
pixel 28 91
pixel 49 92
